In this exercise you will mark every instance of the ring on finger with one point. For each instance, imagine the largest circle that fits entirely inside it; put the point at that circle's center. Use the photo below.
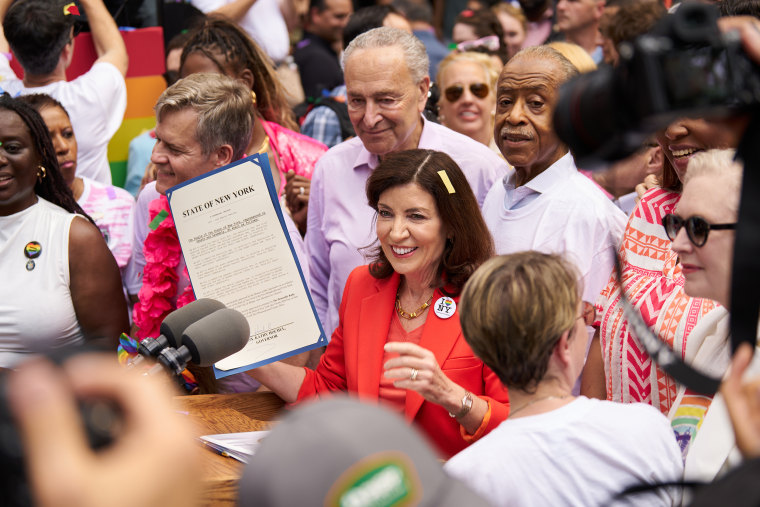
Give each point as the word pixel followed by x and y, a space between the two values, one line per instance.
pixel 413 376
pixel 301 190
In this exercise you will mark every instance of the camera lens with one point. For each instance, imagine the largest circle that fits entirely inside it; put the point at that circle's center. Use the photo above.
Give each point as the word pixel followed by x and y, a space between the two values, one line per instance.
pixel 588 117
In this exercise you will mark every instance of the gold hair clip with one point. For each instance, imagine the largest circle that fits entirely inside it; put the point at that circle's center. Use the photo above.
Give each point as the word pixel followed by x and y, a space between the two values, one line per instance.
pixel 71 8
pixel 446 181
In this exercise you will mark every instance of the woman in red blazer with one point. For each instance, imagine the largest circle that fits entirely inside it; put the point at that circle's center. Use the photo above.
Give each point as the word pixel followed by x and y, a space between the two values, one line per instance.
pixel 399 338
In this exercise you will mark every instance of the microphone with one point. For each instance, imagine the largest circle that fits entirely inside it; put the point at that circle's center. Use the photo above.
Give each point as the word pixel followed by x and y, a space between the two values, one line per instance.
pixel 216 337
pixel 207 341
pixel 174 325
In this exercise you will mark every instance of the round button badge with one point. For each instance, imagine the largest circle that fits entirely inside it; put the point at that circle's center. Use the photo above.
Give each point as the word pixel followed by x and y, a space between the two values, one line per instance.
pixel 32 250
pixel 444 307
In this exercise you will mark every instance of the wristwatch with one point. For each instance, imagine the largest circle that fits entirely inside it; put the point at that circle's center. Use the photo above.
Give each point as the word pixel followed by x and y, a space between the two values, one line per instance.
pixel 466 406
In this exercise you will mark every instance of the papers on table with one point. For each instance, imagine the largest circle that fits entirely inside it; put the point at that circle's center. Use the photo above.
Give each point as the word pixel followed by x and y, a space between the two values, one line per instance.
pixel 238 251
pixel 240 446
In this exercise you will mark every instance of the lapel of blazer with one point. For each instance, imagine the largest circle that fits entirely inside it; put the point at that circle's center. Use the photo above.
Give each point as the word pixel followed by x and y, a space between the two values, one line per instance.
pixel 438 336
pixel 374 323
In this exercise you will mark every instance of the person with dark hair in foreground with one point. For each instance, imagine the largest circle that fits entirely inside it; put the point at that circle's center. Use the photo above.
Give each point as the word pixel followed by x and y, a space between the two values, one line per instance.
pixel 523 316
pixel 398 339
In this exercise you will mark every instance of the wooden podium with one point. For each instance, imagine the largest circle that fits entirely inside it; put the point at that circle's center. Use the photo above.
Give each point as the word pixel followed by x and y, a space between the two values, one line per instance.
pixel 227 413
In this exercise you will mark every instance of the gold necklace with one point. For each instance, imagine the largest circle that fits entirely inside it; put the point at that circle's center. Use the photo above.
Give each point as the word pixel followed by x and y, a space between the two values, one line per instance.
pixel 414 314
pixel 513 412
pixel 264 147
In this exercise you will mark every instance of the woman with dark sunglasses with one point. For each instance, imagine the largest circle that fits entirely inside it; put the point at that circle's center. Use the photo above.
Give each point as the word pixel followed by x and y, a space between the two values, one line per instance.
pixel 468 95
pixel 618 368
pixel 702 227
pixel 702 231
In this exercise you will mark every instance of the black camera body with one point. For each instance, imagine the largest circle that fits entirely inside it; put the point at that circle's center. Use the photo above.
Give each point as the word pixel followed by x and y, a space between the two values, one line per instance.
pixel 684 67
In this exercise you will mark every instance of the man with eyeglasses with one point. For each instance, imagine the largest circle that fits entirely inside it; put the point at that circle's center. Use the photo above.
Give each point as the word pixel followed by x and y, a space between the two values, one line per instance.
pixel 41 35
pixel 545 204
pixel 387 82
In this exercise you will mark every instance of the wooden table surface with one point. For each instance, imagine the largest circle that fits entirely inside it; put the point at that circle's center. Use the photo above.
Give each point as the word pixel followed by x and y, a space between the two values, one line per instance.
pixel 227 413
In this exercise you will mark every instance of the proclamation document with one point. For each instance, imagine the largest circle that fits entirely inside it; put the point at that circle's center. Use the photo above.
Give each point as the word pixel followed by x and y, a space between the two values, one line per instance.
pixel 238 251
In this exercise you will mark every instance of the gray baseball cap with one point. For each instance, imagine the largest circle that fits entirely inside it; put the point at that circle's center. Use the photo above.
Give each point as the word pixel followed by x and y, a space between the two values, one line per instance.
pixel 342 452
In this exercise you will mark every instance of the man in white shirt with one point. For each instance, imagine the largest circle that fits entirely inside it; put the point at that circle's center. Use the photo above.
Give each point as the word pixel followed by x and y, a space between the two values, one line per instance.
pixel 544 204
pixel 41 34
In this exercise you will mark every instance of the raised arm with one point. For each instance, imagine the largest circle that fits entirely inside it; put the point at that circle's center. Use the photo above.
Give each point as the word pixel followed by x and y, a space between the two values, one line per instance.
pixel 235 10
pixel 109 45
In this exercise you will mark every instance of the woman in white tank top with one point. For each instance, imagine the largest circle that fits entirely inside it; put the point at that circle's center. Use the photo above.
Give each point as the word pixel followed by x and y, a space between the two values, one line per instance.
pixel 60 283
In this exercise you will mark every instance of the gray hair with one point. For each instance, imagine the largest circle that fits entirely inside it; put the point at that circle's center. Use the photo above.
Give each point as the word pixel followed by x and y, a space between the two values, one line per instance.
pixel 223 105
pixel 414 51
pixel 720 166
pixel 567 69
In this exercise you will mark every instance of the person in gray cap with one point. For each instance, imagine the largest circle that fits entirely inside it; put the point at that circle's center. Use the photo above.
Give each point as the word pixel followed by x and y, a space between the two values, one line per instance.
pixel 343 452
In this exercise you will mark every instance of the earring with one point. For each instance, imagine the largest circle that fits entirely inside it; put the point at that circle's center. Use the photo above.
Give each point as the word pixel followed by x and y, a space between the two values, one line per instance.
pixel 41 173
pixel 253 97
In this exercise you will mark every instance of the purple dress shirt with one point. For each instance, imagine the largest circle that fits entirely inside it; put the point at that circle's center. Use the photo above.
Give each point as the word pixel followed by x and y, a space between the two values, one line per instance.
pixel 340 221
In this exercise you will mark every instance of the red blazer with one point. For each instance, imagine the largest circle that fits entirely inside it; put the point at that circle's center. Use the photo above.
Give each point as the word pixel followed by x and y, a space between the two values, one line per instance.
pixel 352 361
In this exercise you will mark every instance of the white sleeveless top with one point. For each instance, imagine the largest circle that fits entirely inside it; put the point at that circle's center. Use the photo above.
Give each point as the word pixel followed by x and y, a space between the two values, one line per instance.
pixel 36 311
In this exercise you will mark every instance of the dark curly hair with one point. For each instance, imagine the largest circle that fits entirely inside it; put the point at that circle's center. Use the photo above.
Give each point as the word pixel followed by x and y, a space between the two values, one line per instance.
pixel 215 36
pixel 468 242
pixel 52 187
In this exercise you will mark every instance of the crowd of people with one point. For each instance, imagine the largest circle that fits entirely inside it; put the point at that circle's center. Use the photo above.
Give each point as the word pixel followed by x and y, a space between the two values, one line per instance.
pixel 414 172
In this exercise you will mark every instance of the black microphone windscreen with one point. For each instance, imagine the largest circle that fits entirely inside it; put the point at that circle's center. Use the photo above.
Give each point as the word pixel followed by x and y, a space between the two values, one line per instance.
pixel 216 336
pixel 176 322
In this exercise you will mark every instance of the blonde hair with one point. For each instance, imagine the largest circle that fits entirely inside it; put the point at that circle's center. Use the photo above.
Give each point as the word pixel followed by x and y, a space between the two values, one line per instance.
pixel 223 105
pixel 513 311
pixel 490 67
pixel 721 166
pixel 578 56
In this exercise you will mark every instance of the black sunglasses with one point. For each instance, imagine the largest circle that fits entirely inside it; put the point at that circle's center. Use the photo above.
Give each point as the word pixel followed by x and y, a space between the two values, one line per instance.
pixel 697 228
pixel 453 93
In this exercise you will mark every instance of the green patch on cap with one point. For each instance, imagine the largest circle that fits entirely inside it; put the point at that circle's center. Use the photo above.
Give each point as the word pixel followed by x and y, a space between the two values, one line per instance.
pixel 380 480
